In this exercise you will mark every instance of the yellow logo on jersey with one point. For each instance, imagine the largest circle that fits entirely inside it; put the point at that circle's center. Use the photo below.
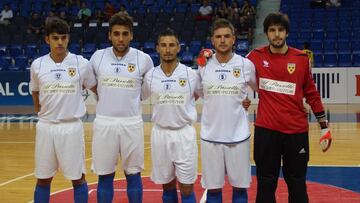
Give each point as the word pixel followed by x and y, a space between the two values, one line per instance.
pixel 182 82
pixel 236 72
pixel 72 72
pixel 291 67
pixel 131 67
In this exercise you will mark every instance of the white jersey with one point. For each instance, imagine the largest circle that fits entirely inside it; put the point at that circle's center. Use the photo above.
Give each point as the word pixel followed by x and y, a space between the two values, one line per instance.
pixel 224 120
pixel 60 86
pixel 173 97
pixel 119 81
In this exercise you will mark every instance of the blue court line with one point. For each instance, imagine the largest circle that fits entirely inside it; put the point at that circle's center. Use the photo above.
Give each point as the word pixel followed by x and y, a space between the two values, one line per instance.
pixel 343 177
pixel 332 117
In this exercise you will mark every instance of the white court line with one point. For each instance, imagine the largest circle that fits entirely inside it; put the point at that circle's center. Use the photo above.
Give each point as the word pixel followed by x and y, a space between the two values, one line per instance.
pixel 24 176
pixel 16 179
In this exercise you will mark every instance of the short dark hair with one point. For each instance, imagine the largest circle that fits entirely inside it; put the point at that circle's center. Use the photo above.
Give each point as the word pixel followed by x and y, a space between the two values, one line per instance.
pixel 167 32
pixel 277 19
pixel 121 19
pixel 56 25
pixel 222 23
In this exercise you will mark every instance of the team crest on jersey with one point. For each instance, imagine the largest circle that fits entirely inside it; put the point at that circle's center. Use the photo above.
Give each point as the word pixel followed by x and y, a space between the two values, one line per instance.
pixel 182 82
pixel 236 72
pixel 58 76
pixel 131 67
pixel 72 72
pixel 291 67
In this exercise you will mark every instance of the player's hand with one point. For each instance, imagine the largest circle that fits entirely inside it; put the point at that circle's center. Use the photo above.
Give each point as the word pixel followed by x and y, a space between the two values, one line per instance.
pixel 246 103
pixel 325 139
pixel 203 56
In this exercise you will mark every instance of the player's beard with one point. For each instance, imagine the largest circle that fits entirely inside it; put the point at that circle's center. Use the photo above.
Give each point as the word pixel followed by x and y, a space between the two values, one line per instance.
pixel 169 60
pixel 278 46
pixel 121 51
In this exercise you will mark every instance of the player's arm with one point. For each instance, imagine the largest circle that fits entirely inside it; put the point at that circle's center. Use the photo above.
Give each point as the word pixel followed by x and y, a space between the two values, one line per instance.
pixel 34 85
pixel 252 76
pixel 36 101
pixel 94 89
pixel 146 85
pixel 198 91
pixel 89 80
pixel 312 97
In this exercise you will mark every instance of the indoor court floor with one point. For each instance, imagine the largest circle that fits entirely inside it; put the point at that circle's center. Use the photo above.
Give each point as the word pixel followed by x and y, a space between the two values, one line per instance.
pixel 333 176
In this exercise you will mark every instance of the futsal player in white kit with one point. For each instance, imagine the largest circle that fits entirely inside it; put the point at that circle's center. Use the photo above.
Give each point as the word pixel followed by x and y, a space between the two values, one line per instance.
pixel 118 126
pixel 171 87
pixel 57 81
pixel 225 133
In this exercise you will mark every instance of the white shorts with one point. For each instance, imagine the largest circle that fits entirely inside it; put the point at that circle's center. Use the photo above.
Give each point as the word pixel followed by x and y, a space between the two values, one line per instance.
pixel 174 154
pixel 118 136
pixel 219 160
pixel 60 146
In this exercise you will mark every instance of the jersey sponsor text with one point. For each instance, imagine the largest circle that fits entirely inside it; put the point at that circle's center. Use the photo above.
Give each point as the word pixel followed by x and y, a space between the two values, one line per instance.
pixel 277 86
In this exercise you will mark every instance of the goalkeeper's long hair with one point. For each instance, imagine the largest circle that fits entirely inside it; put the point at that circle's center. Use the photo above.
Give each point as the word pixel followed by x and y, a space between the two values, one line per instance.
pixel 57 25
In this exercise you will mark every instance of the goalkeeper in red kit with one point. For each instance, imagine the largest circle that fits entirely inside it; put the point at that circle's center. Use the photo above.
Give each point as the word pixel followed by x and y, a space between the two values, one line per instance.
pixel 281 128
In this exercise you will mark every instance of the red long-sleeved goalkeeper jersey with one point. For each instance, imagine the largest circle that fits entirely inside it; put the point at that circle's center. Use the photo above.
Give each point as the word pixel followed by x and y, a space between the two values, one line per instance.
pixel 284 80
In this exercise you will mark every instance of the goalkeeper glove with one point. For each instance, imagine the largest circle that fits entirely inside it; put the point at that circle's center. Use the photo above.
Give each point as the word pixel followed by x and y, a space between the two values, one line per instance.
pixel 204 55
pixel 325 139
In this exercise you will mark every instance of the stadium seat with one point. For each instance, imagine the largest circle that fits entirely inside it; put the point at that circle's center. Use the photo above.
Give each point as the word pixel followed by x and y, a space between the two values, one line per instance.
pixel 195 46
pixel 329 46
pixel 21 62
pixel 5 62
pixel 356 60
pixel 187 58
pixel 44 49
pixel 75 48
pixel 241 45
pixel 89 48
pixel 344 60
pixel 316 45
pixel 155 58
pixel 343 46
pixel 15 50
pixel 330 60
pixel 30 50
pixel 318 59
pixel 149 47
pixel 3 51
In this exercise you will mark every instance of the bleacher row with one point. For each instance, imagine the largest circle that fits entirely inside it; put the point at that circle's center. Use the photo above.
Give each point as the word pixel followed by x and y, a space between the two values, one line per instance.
pixel 18 48
pixel 333 33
